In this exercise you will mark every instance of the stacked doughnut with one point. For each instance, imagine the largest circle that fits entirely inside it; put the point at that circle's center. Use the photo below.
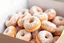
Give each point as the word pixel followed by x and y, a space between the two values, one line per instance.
pixel 35 25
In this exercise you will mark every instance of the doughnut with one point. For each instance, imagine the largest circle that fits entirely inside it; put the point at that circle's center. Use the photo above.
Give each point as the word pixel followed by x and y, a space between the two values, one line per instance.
pixel 26 14
pixel 21 21
pixel 35 9
pixel 32 24
pixel 23 35
pixel 12 21
pixel 10 31
pixel 41 16
pixel 44 37
pixel 33 41
pixel 58 20
pixel 59 30
pixel 18 28
pixel 47 25
pixel 51 13
pixel 23 11
pixel 23 15
pixel 55 38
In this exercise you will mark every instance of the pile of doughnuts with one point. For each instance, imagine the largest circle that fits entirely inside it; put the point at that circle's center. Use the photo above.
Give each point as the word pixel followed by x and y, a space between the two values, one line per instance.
pixel 35 25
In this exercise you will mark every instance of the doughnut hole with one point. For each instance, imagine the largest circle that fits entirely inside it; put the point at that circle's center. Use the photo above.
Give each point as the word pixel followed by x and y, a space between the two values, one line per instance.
pixel 23 12
pixel 60 19
pixel 22 34
pixel 46 36
pixel 31 20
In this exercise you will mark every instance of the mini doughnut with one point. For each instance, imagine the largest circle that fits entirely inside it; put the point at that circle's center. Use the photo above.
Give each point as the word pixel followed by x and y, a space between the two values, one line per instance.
pixel 33 41
pixel 25 14
pixel 35 9
pixel 46 25
pixel 55 38
pixel 12 21
pixel 41 16
pixel 21 21
pixel 59 30
pixel 18 28
pixel 44 37
pixel 32 24
pixel 51 13
pixel 10 31
pixel 23 11
pixel 58 20
pixel 23 35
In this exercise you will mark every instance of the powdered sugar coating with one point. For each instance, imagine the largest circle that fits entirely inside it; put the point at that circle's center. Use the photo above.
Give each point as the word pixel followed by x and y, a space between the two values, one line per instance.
pixel 21 20
pixel 58 20
pixel 45 37
pixel 23 35
pixel 12 21
pixel 23 11
pixel 60 28
pixel 46 25
pixel 32 23
pixel 35 9
pixel 51 13
pixel 41 16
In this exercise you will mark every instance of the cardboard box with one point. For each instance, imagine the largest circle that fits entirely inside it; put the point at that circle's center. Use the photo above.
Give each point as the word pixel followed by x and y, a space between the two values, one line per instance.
pixel 44 4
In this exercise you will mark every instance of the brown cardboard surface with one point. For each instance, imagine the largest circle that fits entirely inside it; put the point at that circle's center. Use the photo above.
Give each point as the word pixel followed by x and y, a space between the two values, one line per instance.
pixel 7 39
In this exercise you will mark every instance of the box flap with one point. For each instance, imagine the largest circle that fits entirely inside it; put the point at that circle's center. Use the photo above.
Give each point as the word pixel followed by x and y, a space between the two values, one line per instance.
pixel 61 38
pixel 7 39
pixel 45 4
pixel 59 0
